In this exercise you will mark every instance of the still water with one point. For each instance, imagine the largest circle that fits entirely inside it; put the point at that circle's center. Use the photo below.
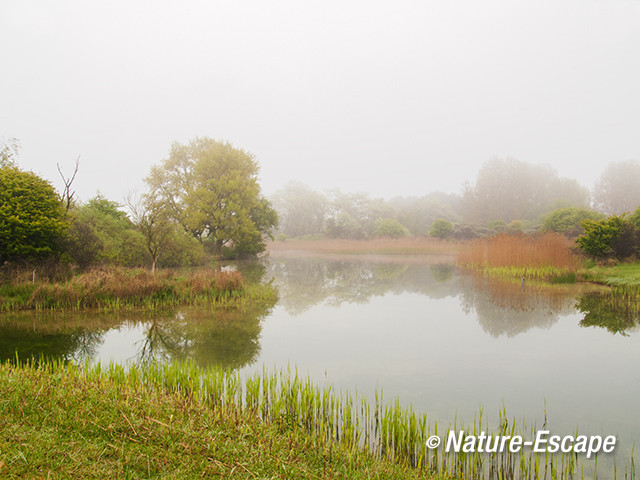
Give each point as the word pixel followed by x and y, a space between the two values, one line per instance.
pixel 448 343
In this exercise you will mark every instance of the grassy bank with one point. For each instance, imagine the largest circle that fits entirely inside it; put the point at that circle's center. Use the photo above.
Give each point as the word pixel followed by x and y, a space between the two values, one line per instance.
pixel 116 288
pixel 624 277
pixel 57 423
pixel 177 421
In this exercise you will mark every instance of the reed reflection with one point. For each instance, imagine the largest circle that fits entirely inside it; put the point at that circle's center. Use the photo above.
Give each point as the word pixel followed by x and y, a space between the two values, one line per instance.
pixel 506 308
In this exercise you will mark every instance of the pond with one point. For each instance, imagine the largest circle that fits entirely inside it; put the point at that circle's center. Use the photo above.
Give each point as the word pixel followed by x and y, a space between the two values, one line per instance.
pixel 445 342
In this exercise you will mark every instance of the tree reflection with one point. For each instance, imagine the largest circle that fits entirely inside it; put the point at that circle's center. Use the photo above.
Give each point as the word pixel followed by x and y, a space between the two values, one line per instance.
pixel 36 335
pixel 305 282
pixel 227 339
pixel 615 314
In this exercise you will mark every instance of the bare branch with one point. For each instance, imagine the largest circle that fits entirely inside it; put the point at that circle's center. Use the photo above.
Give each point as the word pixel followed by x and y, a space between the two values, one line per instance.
pixel 67 194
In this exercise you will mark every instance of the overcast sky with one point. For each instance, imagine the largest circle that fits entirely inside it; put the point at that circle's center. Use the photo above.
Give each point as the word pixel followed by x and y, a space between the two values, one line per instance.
pixel 392 98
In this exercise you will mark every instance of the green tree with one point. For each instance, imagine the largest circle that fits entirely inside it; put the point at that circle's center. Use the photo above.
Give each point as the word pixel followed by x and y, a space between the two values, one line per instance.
pixel 635 218
pixel 390 227
pixel 568 220
pixel 251 242
pixel 211 189
pixel 419 213
pixel 599 236
pixel 31 216
pixel 101 233
pixel 441 228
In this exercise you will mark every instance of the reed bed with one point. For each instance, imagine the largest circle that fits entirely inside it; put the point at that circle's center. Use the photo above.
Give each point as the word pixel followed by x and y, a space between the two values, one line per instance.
pixel 117 288
pixel 547 257
pixel 385 431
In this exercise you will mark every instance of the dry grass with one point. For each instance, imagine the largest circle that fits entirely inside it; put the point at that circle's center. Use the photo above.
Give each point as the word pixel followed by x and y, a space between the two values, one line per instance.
pixel 380 246
pixel 116 287
pixel 550 249
pixel 546 256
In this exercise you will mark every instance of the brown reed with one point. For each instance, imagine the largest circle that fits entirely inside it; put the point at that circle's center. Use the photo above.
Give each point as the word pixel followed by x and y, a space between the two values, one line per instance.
pixel 548 257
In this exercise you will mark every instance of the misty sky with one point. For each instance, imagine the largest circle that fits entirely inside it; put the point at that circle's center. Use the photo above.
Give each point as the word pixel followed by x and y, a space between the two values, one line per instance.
pixel 391 98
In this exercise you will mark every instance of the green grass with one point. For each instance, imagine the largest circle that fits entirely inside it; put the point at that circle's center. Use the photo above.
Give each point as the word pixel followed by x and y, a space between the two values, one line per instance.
pixel 546 273
pixel 68 423
pixel 624 276
pixel 179 421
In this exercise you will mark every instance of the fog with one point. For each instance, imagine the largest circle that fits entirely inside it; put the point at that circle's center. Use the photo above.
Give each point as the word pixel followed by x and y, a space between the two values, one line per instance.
pixel 389 98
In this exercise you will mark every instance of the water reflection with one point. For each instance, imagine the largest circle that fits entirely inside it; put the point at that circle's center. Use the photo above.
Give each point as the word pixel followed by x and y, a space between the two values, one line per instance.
pixel 37 335
pixel 229 339
pixel 613 313
pixel 226 339
pixel 501 307
pixel 304 282
pixel 504 308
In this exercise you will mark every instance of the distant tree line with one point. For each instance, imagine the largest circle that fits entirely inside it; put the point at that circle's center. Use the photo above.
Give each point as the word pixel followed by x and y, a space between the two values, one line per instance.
pixel 508 195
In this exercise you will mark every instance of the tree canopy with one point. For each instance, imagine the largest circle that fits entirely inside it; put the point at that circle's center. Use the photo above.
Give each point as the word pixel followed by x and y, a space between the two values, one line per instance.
pixel 211 189
pixel 616 236
pixel 31 215
pixel 441 228
pixel 569 220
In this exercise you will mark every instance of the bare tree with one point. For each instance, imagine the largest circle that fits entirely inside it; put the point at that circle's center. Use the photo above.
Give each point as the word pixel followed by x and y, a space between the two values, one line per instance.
pixel 154 224
pixel 67 195
pixel 8 151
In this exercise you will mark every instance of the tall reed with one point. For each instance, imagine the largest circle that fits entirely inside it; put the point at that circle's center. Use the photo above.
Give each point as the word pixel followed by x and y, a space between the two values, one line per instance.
pixel 546 256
